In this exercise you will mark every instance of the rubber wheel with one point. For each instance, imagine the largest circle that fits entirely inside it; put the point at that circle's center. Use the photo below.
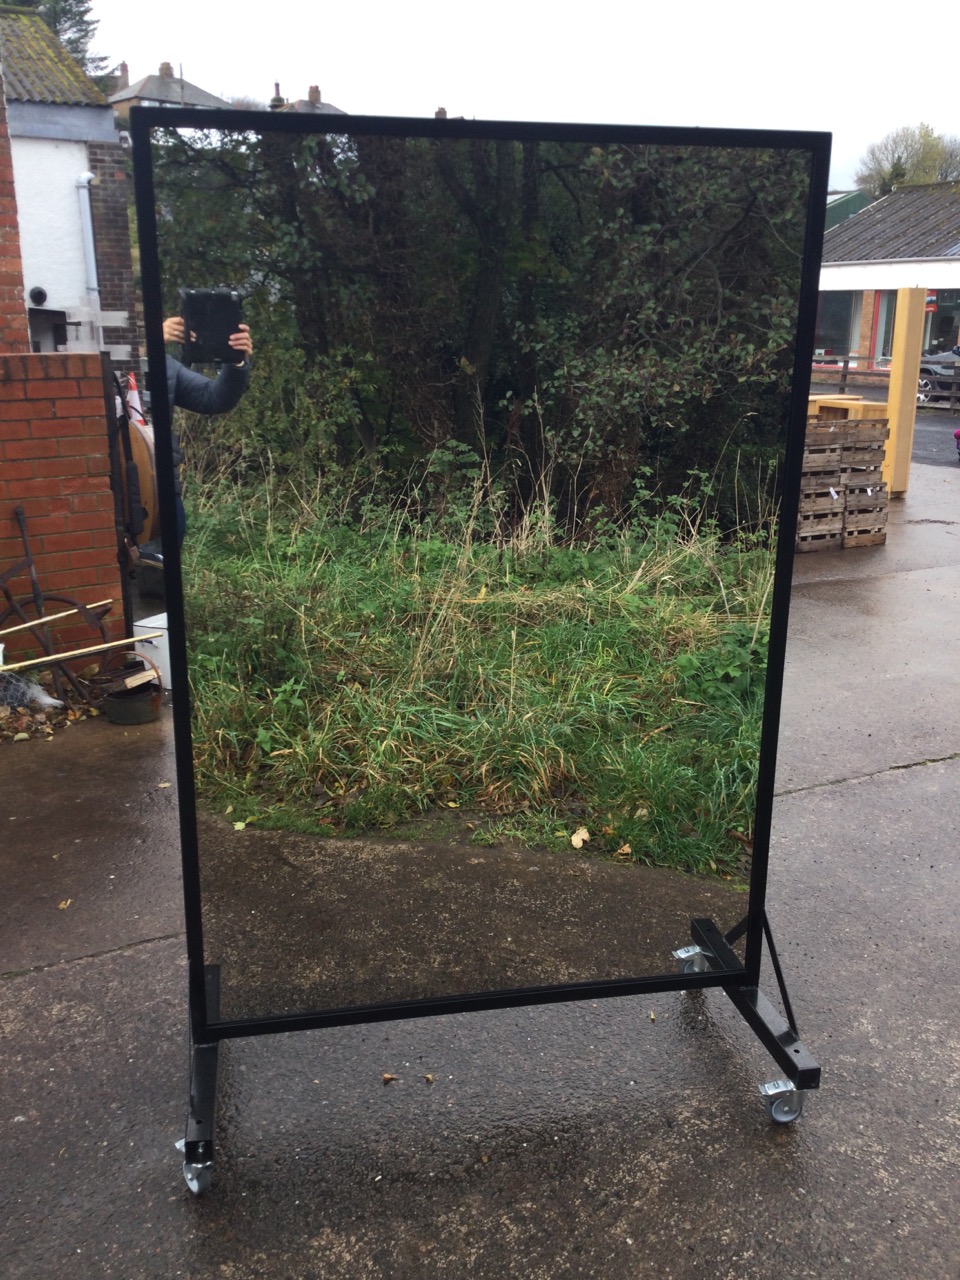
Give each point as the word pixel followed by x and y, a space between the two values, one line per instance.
pixel 198 1177
pixel 786 1108
pixel 696 963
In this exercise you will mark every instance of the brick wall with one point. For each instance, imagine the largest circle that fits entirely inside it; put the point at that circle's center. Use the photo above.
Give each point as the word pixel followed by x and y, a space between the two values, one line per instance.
pixel 14 335
pixel 54 461
pixel 867 322
pixel 108 202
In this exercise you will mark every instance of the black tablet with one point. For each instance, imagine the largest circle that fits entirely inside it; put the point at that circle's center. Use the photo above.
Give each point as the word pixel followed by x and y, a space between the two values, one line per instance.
pixel 210 316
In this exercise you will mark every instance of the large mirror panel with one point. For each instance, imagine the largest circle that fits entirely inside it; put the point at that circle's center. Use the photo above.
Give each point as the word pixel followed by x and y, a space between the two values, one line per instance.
pixel 478 570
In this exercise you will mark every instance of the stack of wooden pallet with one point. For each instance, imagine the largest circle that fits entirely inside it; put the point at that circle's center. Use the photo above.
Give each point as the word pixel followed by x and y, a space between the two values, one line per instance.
pixel 843 500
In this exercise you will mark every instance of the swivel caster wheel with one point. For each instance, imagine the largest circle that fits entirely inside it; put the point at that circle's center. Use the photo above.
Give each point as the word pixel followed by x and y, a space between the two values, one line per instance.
pixel 198 1169
pixel 783 1100
pixel 691 960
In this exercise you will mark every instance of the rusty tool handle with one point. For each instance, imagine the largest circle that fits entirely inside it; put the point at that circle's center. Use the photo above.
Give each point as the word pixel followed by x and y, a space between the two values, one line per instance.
pixel 34 580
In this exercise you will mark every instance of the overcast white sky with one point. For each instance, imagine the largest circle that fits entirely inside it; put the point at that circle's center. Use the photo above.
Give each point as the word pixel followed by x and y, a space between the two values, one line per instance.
pixel 848 71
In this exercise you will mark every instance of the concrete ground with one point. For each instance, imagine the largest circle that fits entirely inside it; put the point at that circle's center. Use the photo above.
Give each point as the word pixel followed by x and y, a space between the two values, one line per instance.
pixel 553 1142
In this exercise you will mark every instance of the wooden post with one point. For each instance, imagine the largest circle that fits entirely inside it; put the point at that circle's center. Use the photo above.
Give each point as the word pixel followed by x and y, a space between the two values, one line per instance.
pixel 902 399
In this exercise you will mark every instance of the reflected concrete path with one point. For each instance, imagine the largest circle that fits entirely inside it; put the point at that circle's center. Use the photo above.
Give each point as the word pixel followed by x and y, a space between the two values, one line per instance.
pixel 549 1143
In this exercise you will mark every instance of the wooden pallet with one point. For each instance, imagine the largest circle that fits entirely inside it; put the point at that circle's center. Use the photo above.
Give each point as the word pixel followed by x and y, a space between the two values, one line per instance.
pixel 847 431
pixel 818 481
pixel 831 500
pixel 870 433
pixel 861 477
pixel 861 494
pixel 865 513
pixel 820 522
pixel 818 459
pixel 864 538
pixel 819 542
pixel 851 428
pixel 865 521
pixel 843 498
pixel 865 455
pixel 825 433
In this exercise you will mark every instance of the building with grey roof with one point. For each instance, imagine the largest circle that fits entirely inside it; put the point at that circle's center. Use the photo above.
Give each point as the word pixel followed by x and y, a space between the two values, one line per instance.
pixel 312 104
pixel 163 89
pixel 909 239
pixel 70 185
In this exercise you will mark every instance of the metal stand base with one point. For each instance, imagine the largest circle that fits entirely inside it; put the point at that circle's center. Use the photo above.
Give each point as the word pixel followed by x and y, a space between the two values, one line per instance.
pixel 711 951
pixel 778 1034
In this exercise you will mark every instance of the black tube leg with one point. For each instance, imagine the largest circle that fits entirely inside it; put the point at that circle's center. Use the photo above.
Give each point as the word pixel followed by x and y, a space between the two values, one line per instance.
pixel 197 1145
pixel 777 1037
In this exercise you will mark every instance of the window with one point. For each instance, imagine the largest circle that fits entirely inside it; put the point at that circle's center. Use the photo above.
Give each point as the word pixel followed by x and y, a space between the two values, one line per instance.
pixel 837 314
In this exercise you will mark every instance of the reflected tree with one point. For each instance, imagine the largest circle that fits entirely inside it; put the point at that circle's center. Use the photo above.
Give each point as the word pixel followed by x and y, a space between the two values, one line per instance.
pixel 590 322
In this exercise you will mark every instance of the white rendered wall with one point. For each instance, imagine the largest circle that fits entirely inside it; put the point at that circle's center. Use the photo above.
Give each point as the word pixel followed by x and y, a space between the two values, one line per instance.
pixel 45 176
pixel 905 273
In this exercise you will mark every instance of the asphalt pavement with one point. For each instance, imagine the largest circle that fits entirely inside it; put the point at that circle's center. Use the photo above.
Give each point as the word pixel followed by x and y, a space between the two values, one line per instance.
pixel 623 1139
pixel 933 439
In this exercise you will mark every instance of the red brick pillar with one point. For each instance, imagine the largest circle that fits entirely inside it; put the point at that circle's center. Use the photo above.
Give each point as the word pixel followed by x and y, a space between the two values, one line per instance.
pixel 14 334
pixel 55 463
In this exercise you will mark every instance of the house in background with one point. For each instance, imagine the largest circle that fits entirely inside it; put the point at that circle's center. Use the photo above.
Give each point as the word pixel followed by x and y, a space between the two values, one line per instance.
pixel 312 104
pixel 161 90
pixel 70 187
pixel 66 297
pixel 909 239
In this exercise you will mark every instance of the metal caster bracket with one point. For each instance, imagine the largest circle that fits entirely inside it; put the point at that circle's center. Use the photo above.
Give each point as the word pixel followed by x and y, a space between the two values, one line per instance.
pixel 778 1034
pixel 197 1167
pixel 691 959
pixel 784 1101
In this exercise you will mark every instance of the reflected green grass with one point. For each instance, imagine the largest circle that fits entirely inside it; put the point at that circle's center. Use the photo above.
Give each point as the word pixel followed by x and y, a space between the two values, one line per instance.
pixel 347 675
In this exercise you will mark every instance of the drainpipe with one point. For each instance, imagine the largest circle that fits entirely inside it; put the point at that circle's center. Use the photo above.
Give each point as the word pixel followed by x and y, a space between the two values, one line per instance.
pixel 89 250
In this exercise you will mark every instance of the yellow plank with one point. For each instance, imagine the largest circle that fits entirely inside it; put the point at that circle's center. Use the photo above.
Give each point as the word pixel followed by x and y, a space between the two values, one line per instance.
pixel 52 617
pixel 51 659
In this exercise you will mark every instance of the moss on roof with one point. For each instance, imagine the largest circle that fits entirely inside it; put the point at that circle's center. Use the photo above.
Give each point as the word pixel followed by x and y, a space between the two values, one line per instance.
pixel 36 67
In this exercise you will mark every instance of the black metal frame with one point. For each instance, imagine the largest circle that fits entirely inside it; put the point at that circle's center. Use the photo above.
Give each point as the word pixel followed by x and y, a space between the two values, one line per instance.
pixel 721 967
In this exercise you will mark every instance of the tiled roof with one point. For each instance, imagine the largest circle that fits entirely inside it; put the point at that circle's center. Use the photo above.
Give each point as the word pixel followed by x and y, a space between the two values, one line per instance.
pixel 312 104
pixel 305 107
pixel 171 91
pixel 37 68
pixel 913 222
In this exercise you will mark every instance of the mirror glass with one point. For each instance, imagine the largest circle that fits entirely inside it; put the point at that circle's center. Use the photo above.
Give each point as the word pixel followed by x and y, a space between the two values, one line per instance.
pixel 478 571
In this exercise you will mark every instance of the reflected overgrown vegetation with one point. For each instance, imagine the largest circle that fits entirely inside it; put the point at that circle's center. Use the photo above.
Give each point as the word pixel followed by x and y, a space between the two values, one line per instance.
pixel 492 529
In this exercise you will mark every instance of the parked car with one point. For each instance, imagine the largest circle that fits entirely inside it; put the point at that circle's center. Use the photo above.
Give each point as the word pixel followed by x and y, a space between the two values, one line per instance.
pixel 939 374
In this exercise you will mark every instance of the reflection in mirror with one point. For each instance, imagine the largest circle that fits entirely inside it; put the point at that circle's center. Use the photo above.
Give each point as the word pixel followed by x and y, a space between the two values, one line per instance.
pixel 477 574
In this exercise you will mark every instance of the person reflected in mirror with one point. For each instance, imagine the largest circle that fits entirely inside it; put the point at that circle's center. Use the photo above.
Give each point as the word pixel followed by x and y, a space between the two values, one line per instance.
pixel 197 393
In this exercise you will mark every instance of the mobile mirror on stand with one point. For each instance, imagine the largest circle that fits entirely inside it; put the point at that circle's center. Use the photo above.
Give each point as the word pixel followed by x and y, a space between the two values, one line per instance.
pixel 478 626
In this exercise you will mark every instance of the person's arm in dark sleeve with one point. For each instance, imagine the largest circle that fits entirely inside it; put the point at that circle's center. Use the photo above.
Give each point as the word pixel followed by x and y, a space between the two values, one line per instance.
pixel 195 391
pixel 200 394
